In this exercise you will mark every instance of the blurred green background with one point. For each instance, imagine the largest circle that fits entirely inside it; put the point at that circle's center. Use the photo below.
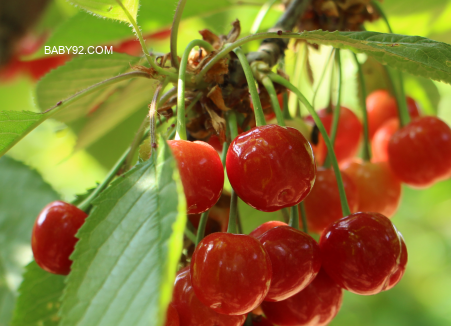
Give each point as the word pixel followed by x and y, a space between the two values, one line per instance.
pixel 423 297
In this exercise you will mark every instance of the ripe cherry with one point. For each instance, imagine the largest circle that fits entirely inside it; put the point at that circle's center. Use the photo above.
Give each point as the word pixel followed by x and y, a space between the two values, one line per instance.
pixel 364 253
pixel 325 190
pixel 379 143
pixel 53 237
pixel 201 172
pixel 295 260
pixel 172 316
pixel 271 167
pixel 265 227
pixel 231 273
pixel 316 305
pixel 381 107
pixel 348 136
pixel 194 313
pixel 379 189
pixel 420 152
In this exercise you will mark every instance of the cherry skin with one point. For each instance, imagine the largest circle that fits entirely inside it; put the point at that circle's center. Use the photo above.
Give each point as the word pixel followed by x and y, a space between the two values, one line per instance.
pixel 265 227
pixel 271 167
pixel 324 191
pixel 53 237
pixel 172 316
pixel 379 143
pixel 364 253
pixel 348 137
pixel 201 172
pixel 420 152
pixel 379 189
pixel 194 313
pixel 231 273
pixel 381 107
pixel 295 260
pixel 316 305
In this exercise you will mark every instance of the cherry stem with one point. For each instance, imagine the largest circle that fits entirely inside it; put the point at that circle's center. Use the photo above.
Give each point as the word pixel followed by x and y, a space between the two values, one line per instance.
pixel 261 15
pixel 190 235
pixel 304 217
pixel 344 202
pixel 181 124
pixel 174 33
pixel 294 217
pixel 285 215
pixel 366 138
pixel 323 74
pixel 231 228
pixel 286 111
pixel 274 100
pixel 336 113
pixel 258 110
pixel 153 115
pixel 143 43
pixel 136 142
pixel 201 227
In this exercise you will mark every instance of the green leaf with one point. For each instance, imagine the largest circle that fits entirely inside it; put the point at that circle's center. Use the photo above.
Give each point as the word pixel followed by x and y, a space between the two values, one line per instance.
pixel 77 75
pixel 125 262
pixel 109 8
pixel 115 110
pixel 412 54
pixel 38 302
pixel 14 125
pixel 22 196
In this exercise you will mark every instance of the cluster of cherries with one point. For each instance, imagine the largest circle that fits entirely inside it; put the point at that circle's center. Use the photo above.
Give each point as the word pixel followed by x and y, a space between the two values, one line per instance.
pixel 283 271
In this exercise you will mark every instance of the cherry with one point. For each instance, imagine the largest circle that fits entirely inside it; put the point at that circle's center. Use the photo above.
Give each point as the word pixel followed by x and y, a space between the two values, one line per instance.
pixel 172 316
pixel 316 305
pixel 271 167
pixel 379 189
pixel 420 152
pixel 53 237
pixel 381 107
pixel 347 141
pixel 364 253
pixel 295 260
pixel 379 144
pixel 261 321
pixel 324 191
pixel 231 273
pixel 265 227
pixel 194 313
pixel 201 172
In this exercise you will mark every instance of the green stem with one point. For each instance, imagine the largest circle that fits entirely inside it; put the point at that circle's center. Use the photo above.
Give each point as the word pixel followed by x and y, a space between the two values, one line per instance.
pixel 258 110
pixel 261 15
pixel 336 113
pixel 181 124
pixel 135 143
pixel 274 100
pixel 294 217
pixel 85 205
pixel 366 138
pixel 286 111
pixel 201 227
pixel 153 114
pixel 323 74
pixel 174 33
pixel 344 202
pixel 304 217
pixel 231 228
pixel 285 215
pixel 166 96
pixel 225 148
pixel 233 126
pixel 190 235
pixel 143 44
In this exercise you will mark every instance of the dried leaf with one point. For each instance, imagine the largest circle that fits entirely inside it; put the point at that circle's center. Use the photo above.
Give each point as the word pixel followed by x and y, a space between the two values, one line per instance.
pixel 219 123
pixel 215 95
pixel 235 32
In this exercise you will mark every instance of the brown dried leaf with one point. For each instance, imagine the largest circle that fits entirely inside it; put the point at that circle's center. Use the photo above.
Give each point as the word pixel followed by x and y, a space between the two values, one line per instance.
pixel 235 32
pixel 211 38
pixel 330 9
pixel 219 123
pixel 215 95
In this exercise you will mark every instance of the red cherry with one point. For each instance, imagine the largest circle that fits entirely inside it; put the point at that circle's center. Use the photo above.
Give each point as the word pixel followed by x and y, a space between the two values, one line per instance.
pixel 172 316
pixel 231 273
pixel 364 253
pixel 215 143
pixel 271 167
pixel 348 136
pixel 261 321
pixel 381 107
pixel 420 152
pixel 191 311
pixel 295 260
pixel 379 144
pixel 379 189
pixel 53 237
pixel 201 172
pixel 265 227
pixel 324 191
pixel 316 305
